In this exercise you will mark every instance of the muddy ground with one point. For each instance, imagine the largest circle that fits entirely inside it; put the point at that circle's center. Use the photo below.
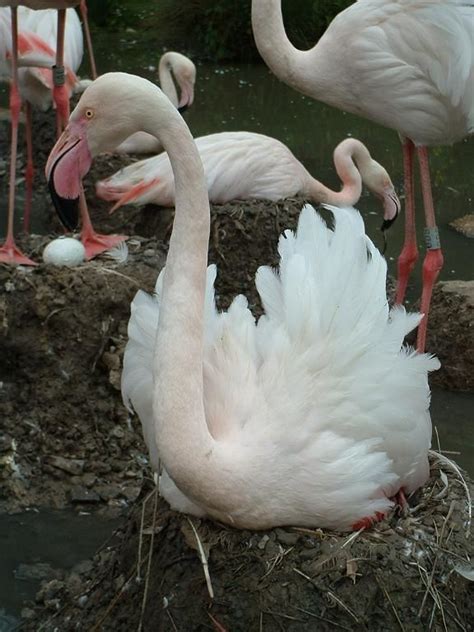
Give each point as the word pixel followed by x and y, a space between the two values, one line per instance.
pixel 66 438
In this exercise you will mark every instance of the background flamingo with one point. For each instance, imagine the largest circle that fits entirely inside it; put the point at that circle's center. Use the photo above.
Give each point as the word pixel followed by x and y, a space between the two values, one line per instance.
pixel 172 65
pixel 244 165
pixel 40 40
pixel 269 424
pixel 406 64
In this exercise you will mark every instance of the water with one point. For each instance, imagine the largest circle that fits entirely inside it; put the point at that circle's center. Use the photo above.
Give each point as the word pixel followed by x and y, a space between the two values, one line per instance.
pixel 58 538
pixel 249 98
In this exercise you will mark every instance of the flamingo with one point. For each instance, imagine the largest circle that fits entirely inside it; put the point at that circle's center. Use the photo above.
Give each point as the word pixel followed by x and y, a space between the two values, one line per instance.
pixel 35 51
pixel 244 165
pixel 405 64
pixel 37 32
pixel 317 414
pixel 171 65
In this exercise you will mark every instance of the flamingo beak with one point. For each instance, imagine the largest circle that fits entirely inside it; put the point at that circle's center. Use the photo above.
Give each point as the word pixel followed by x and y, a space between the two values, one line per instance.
pixel 391 206
pixel 187 96
pixel 69 161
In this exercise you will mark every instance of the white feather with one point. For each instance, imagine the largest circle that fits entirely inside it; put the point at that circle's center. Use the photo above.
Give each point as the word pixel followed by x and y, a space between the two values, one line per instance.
pixel 328 408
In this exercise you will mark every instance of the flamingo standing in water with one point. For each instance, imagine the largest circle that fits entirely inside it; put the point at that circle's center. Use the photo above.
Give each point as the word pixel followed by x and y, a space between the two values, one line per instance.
pixel 270 423
pixel 171 65
pixel 244 165
pixel 38 51
pixel 405 64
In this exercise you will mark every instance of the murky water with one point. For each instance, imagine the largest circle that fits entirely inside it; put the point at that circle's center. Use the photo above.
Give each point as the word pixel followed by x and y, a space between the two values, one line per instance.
pixel 31 542
pixel 250 98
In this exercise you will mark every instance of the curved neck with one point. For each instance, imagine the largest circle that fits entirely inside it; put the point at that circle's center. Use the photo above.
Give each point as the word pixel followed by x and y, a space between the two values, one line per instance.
pixel 352 161
pixel 178 407
pixel 289 64
pixel 166 81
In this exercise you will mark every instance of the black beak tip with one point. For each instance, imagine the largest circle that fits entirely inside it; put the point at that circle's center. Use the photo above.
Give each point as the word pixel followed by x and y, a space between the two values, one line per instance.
pixel 67 210
pixel 183 109
pixel 387 223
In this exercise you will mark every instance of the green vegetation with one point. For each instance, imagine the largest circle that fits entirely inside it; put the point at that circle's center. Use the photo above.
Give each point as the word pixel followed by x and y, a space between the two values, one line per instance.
pixel 213 29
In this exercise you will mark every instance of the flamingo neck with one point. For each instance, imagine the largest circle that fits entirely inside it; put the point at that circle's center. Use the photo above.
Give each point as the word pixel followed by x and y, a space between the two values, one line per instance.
pixel 291 65
pixel 178 408
pixel 166 81
pixel 352 161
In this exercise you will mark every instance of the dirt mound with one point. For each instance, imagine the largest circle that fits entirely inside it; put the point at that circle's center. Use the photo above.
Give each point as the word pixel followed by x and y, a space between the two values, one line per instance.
pixel 63 331
pixel 408 573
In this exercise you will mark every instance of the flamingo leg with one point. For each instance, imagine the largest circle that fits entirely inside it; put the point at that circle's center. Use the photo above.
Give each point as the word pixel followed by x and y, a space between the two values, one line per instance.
pixel 433 261
pixel 409 254
pixel 60 93
pixel 93 242
pixel 87 33
pixel 29 171
pixel 9 252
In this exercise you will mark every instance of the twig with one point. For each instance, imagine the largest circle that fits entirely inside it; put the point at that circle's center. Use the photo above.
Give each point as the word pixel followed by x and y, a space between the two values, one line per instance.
pixel 172 620
pixel 148 568
pixel 317 616
pixel 386 593
pixel 202 555
pixel 453 466
pixel 343 606
pixel 433 569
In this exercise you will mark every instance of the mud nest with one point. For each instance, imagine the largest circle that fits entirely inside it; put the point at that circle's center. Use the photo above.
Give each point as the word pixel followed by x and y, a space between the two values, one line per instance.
pixel 166 571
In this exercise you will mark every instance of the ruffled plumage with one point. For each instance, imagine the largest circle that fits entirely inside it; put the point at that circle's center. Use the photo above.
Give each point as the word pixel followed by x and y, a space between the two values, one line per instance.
pixel 318 407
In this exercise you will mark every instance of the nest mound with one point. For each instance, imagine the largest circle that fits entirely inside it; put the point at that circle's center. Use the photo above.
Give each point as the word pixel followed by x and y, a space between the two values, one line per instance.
pixel 410 572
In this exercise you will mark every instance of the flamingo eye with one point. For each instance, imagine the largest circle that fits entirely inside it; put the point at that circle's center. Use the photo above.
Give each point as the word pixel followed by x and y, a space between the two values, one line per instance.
pixel 89 113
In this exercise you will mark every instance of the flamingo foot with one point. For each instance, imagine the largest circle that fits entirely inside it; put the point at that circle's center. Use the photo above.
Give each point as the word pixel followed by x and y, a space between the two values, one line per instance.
pixel 95 244
pixel 401 502
pixel 10 253
pixel 368 522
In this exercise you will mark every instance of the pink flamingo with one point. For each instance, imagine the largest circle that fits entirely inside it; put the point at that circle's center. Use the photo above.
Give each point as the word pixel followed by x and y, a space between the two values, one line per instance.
pixel 30 49
pixel 405 64
pixel 245 165
pixel 299 419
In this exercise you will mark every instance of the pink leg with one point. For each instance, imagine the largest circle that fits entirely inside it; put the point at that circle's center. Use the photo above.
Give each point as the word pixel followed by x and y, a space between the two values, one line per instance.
pixel 87 33
pixel 409 254
pixel 9 252
pixel 29 172
pixel 433 261
pixel 92 241
pixel 60 94
pixel 367 523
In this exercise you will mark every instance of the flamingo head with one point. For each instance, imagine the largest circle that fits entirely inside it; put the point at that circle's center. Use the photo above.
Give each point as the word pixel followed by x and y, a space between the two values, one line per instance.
pixel 378 181
pixel 111 109
pixel 184 72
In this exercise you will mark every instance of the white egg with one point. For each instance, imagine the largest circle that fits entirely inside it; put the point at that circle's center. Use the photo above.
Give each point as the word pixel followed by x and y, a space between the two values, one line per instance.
pixel 64 251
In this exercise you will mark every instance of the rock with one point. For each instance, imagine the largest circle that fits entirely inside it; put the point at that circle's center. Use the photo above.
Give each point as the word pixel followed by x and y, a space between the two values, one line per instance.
pixel 7 443
pixel 89 479
pixel 99 467
pixel 107 492
pixel 27 613
pixel 84 567
pixel 49 591
pixel 286 537
pixel 35 572
pixel 80 494
pixel 71 466
pixel 464 225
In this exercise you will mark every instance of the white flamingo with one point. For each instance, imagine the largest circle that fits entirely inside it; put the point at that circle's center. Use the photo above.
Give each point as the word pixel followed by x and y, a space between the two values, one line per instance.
pixel 171 65
pixel 315 415
pixel 38 51
pixel 405 64
pixel 244 165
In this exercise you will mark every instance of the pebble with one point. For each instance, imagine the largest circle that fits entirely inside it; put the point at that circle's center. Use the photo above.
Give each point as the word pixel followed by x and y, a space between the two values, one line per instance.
pixel 80 494
pixel 286 537
pixel 71 466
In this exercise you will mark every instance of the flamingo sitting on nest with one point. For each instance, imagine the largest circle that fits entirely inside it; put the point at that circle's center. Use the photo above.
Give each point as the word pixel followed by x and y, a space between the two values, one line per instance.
pixel 406 64
pixel 244 166
pixel 315 415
